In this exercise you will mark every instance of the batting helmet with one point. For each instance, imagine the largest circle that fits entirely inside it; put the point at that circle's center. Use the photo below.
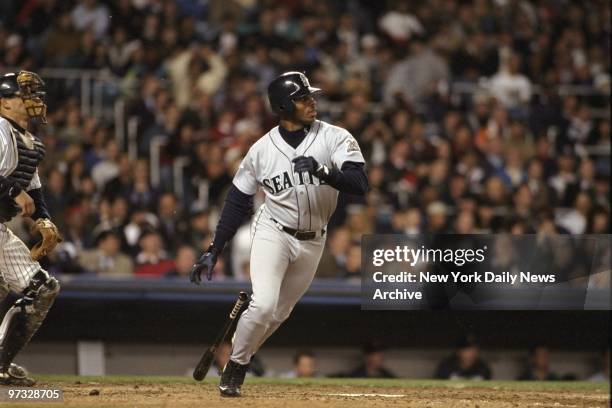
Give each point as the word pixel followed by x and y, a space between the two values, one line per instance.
pixel 30 88
pixel 286 88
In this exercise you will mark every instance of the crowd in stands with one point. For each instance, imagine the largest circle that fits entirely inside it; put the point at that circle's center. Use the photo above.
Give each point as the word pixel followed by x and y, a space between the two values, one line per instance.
pixel 473 116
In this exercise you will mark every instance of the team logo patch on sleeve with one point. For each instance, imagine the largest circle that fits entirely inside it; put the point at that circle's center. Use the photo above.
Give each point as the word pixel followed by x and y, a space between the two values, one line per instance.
pixel 352 145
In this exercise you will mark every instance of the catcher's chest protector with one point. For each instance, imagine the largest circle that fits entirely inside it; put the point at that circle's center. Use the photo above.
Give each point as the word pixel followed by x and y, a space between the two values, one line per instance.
pixel 30 152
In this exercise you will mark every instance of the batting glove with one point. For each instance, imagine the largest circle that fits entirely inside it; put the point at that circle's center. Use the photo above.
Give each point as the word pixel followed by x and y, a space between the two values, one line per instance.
pixel 310 165
pixel 206 262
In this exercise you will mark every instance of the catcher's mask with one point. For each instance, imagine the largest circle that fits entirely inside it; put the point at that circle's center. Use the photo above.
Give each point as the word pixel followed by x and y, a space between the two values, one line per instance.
pixel 30 88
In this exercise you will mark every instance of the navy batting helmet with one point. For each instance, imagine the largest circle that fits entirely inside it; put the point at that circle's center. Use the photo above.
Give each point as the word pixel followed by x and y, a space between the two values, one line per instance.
pixel 286 88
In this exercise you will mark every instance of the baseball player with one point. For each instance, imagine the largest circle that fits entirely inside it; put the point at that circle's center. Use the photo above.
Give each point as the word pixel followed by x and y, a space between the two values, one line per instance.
pixel 22 99
pixel 301 165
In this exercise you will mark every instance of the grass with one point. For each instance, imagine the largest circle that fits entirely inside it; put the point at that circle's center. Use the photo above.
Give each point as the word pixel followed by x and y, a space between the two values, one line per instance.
pixel 338 382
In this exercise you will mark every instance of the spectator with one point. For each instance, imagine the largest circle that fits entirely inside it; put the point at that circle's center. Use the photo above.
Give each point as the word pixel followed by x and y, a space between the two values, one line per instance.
pixel 446 151
pixel 465 363
pixel 107 260
pixel 334 257
pixel 107 168
pixel 61 40
pixel 140 193
pixel 373 365
pixel 185 258
pixel 465 223
pixel 171 222
pixel 352 267
pixel 91 14
pixel 510 87
pixel 400 24
pixel 416 78
pixel 56 198
pixel 76 231
pixel 575 220
pixel 152 260
pixel 304 365
pixel 436 217
pixel 200 230
pixel 538 366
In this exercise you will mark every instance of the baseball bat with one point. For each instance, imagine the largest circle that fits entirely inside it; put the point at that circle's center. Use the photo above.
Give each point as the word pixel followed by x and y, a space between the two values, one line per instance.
pixel 206 361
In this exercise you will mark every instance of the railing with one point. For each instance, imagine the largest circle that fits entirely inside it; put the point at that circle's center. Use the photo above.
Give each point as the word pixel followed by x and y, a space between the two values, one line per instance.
pixel 157 144
pixel 98 92
pixel 321 291
pixel 91 86
pixel 132 137
pixel 470 88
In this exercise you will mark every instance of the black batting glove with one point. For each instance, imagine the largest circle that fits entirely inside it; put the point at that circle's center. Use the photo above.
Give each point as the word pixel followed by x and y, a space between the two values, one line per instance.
pixel 305 164
pixel 309 164
pixel 206 262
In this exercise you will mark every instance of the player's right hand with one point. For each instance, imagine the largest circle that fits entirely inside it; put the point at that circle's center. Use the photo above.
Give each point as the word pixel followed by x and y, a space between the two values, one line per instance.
pixel 26 203
pixel 206 262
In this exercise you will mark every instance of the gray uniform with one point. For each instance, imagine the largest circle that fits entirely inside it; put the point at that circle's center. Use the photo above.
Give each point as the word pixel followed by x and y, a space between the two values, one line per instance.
pixel 282 267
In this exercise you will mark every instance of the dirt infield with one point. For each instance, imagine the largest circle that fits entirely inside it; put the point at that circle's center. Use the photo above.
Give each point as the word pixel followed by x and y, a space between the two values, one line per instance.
pixel 325 393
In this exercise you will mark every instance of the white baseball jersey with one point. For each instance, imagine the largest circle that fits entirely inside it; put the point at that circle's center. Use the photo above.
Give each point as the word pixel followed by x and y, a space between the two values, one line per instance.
pixel 299 201
pixel 8 153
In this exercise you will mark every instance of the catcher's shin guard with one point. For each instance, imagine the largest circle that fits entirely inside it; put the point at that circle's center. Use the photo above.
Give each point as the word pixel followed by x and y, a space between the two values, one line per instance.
pixel 25 317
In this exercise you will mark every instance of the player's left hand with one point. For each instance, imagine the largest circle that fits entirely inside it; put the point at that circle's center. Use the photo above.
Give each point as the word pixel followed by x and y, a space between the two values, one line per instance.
pixel 206 262
pixel 50 237
pixel 305 164
pixel 310 165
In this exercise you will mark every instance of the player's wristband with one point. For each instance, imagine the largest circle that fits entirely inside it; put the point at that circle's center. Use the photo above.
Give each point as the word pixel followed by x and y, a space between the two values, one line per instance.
pixel 322 172
pixel 212 248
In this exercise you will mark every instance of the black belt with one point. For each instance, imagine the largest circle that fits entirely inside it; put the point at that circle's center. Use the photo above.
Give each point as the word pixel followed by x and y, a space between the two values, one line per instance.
pixel 299 235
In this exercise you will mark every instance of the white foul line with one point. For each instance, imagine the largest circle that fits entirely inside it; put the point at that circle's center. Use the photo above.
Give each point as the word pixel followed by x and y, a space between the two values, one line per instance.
pixel 367 395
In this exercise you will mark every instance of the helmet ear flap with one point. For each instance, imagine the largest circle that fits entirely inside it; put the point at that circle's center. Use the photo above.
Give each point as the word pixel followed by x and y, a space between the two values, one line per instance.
pixel 287 107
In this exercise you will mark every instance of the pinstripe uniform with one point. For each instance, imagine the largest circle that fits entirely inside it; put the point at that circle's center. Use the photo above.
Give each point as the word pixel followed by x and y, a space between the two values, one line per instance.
pixel 16 265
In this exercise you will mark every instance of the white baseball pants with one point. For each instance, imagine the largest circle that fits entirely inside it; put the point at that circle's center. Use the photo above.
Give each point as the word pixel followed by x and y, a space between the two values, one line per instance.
pixel 16 265
pixel 282 268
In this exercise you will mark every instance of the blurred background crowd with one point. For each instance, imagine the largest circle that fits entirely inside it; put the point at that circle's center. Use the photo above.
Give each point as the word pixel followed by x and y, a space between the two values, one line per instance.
pixel 464 362
pixel 474 117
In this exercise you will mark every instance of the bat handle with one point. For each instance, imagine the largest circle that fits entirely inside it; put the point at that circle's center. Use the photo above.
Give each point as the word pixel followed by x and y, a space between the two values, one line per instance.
pixel 241 299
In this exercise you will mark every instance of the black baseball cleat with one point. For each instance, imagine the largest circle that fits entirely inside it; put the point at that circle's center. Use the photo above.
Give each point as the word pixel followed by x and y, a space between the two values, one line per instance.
pixel 232 379
pixel 16 375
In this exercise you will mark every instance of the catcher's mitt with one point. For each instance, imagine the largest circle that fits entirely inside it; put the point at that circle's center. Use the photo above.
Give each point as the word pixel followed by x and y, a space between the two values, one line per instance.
pixel 50 237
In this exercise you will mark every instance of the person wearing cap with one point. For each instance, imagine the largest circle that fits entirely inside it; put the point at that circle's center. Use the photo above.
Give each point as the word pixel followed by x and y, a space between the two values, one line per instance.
pixel 538 365
pixel 465 363
pixel 373 360
pixel 107 259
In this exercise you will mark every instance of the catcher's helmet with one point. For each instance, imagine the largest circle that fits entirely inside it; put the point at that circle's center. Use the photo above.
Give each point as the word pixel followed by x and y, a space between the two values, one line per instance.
pixel 286 88
pixel 30 88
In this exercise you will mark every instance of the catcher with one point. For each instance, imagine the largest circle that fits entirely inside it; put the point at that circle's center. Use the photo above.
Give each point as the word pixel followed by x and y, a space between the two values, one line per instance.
pixel 22 100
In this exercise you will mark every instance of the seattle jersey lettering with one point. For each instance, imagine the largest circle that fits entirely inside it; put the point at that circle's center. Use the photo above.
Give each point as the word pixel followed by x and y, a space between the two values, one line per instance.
pixel 282 182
